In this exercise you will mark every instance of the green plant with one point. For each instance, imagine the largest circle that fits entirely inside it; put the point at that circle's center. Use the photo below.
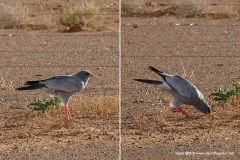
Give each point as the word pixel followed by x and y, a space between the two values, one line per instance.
pixel 80 15
pixel 224 94
pixel 42 104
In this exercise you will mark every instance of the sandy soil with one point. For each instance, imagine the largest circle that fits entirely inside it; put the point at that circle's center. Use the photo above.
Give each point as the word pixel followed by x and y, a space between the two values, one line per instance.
pixel 206 53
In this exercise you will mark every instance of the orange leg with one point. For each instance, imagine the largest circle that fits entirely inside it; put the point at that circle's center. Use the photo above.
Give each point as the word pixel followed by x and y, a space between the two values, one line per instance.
pixel 184 113
pixel 68 115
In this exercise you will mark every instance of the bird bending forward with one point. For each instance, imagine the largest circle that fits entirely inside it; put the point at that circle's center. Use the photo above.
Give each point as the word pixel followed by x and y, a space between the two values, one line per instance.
pixel 182 90
pixel 63 86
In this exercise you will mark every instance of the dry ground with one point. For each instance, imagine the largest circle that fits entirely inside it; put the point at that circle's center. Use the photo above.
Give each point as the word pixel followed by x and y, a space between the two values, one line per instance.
pixel 36 52
pixel 203 50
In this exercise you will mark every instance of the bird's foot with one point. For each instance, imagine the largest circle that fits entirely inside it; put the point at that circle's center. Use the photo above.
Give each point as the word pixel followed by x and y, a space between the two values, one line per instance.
pixel 190 117
pixel 68 118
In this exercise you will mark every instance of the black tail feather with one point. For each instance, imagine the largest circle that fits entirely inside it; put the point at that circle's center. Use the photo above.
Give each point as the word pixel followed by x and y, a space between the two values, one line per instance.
pixel 31 82
pixel 155 70
pixel 31 87
pixel 160 73
pixel 148 81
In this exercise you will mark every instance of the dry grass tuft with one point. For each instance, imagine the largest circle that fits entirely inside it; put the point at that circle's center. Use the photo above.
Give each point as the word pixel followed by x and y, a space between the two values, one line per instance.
pixel 227 112
pixel 13 15
pixel 204 8
pixel 100 106
pixel 80 16
pixel 137 8
pixel 83 106
pixel 192 7
pixel 233 102
pixel 183 8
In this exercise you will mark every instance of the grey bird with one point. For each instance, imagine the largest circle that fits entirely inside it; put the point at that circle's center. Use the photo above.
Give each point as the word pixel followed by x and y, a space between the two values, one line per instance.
pixel 182 90
pixel 63 86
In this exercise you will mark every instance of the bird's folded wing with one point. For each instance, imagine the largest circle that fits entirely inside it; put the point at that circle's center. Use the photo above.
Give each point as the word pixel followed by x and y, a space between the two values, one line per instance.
pixel 183 87
pixel 64 83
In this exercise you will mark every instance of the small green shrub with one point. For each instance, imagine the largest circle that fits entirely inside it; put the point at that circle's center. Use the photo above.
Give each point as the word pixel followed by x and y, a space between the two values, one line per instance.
pixel 225 94
pixel 42 104
pixel 79 16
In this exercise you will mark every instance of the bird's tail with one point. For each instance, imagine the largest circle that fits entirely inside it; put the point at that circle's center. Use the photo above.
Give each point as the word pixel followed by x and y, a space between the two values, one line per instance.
pixel 160 73
pixel 155 70
pixel 30 85
pixel 148 81
pixel 31 82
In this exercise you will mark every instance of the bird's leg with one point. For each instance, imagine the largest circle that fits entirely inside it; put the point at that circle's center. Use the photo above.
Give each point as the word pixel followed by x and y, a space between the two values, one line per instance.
pixel 184 112
pixel 67 112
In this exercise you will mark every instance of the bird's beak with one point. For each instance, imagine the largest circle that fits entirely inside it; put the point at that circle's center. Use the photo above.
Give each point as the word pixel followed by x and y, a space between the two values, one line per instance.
pixel 90 75
pixel 208 114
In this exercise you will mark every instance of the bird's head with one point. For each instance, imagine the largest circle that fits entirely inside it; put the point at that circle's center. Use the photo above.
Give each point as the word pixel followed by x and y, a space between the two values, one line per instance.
pixel 89 74
pixel 85 74
pixel 204 108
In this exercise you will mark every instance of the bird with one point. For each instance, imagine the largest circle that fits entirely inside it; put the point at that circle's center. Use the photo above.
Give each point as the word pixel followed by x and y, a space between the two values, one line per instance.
pixel 62 86
pixel 182 91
